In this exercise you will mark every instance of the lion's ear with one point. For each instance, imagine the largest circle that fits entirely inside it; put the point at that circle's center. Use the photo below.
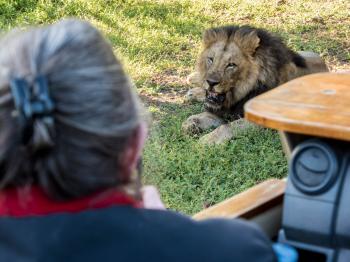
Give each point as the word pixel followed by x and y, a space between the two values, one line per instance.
pixel 209 36
pixel 248 42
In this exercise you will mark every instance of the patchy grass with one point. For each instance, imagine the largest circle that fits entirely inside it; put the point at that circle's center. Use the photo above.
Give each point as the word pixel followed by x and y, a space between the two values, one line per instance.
pixel 158 42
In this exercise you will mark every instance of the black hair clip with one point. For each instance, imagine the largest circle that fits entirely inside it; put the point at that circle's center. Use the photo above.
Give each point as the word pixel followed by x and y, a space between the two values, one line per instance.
pixel 32 102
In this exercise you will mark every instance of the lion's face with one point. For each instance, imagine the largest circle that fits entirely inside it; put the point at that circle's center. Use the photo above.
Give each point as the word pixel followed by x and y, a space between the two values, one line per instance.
pixel 228 70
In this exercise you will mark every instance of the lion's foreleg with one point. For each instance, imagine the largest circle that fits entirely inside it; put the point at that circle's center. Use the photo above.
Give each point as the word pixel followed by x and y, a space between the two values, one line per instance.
pixel 226 132
pixel 202 122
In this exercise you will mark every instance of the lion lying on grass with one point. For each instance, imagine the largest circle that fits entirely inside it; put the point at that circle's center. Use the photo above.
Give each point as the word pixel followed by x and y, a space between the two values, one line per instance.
pixel 238 63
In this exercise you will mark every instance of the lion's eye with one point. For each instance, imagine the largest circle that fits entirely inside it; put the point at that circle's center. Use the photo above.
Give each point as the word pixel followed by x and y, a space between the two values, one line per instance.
pixel 210 60
pixel 231 65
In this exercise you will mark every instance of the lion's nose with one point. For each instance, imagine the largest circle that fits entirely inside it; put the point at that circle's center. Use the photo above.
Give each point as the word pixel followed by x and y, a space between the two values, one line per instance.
pixel 212 82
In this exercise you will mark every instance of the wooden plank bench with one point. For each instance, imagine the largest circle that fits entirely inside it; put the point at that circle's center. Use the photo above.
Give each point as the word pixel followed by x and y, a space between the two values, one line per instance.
pixel 261 204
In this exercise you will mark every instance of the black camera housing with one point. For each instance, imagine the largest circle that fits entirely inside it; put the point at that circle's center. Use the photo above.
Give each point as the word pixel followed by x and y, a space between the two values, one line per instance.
pixel 316 211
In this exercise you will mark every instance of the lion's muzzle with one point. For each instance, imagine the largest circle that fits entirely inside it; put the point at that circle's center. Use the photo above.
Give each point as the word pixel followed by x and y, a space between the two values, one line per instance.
pixel 214 101
pixel 214 97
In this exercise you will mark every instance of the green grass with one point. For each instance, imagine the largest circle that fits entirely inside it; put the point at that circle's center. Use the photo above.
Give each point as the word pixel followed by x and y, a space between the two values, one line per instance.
pixel 158 42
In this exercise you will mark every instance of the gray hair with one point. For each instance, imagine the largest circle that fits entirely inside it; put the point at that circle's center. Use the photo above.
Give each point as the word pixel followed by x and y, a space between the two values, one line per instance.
pixel 96 111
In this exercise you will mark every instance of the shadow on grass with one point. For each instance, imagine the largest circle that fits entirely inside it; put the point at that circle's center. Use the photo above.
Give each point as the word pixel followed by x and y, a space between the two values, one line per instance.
pixel 167 15
pixel 163 107
pixel 158 101
pixel 160 29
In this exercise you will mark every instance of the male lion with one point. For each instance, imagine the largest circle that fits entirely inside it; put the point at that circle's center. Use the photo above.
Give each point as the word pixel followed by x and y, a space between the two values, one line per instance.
pixel 240 62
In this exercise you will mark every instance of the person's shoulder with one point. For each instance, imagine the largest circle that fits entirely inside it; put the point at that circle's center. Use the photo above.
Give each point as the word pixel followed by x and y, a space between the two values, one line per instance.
pixel 218 239
pixel 240 239
pixel 215 225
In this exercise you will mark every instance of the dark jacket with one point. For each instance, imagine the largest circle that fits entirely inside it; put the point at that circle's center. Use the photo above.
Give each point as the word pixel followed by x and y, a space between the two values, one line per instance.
pixel 125 233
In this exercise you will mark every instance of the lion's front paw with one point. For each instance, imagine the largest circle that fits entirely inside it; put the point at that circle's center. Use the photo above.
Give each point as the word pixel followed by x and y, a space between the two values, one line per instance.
pixel 218 136
pixel 201 122
pixel 194 79
pixel 196 94
pixel 226 132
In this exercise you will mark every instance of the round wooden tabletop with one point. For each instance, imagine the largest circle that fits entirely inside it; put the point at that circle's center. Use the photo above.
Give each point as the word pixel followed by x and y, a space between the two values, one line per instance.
pixel 317 105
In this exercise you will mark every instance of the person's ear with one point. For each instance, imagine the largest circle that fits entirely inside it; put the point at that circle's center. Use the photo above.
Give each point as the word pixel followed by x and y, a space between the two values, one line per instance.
pixel 132 152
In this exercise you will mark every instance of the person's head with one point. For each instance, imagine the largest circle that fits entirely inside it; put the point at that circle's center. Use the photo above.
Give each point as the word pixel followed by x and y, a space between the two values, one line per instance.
pixel 96 135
